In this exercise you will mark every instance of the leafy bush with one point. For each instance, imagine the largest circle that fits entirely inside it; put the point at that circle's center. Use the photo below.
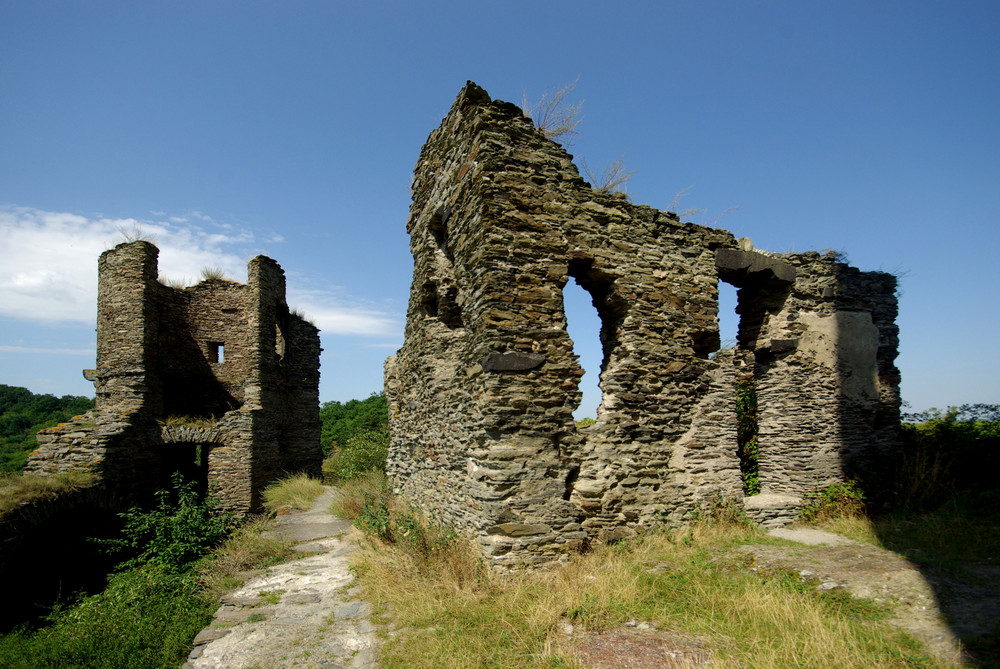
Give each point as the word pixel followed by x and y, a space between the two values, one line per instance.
pixel 365 451
pixel 174 533
pixel 145 618
pixel 840 500
pixel 949 453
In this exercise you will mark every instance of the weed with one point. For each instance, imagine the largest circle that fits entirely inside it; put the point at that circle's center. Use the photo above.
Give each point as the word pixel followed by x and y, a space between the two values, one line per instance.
pixel 270 596
pixel 611 179
pixel 172 534
pixel 213 274
pixel 190 421
pixel 552 115
pixel 840 500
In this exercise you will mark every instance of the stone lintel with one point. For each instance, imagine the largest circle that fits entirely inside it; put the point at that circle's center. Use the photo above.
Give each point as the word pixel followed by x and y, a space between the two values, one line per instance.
pixel 736 266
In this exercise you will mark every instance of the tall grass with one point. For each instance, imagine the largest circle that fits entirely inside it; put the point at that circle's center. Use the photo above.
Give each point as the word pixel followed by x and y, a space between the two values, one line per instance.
pixel 295 492
pixel 451 610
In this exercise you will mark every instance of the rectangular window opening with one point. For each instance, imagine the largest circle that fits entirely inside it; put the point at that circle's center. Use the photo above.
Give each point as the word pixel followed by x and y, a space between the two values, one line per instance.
pixel 216 352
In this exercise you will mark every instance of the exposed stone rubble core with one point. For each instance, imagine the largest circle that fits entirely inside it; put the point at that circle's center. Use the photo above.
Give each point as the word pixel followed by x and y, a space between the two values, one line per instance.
pixel 482 392
pixel 228 353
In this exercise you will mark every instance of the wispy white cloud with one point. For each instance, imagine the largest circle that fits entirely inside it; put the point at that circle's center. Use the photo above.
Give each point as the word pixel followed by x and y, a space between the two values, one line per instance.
pixel 332 316
pixel 48 267
pixel 48 260
pixel 48 351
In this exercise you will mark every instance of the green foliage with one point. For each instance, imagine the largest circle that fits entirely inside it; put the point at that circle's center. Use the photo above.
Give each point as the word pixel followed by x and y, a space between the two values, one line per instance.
pixel 950 453
pixel 341 421
pixel 22 414
pixel 746 435
pixel 840 500
pixel 145 618
pixel 723 511
pixel 176 532
pixel 369 503
pixel 365 451
pixel 585 422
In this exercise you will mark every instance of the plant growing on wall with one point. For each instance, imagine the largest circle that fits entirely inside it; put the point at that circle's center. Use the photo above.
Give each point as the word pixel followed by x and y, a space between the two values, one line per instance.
pixel 746 435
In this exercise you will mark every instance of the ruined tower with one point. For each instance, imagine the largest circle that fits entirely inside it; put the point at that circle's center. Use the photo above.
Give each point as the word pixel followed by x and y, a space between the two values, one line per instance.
pixel 219 381
pixel 482 392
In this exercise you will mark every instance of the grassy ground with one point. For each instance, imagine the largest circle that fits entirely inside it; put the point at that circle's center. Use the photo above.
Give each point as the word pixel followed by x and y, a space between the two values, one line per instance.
pixel 17 488
pixel 452 611
pixel 296 492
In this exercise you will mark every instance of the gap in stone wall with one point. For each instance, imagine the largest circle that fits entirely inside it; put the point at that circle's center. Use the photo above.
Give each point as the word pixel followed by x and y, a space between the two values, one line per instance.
pixel 729 320
pixel 584 326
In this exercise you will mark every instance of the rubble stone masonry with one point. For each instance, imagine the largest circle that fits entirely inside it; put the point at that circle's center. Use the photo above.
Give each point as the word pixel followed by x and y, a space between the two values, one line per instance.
pixel 219 381
pixel 482 393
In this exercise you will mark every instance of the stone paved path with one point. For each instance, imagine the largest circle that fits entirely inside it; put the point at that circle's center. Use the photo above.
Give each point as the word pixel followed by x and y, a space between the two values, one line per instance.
pixel 304 613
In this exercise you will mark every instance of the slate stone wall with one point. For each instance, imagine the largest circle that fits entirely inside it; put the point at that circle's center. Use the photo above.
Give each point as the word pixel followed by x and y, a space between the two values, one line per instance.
pixel 231 355
pixel 482 392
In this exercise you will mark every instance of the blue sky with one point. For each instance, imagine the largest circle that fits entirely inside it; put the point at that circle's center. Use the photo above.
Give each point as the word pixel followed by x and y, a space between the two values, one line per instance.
pixel 228 129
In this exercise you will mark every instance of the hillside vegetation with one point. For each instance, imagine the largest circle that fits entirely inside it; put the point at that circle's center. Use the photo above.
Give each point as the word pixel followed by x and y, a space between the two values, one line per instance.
pixel 22 414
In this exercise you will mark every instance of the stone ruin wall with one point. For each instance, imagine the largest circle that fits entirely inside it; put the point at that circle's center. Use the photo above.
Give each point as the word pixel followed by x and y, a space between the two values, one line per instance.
pixel 481 393
pixel 227 353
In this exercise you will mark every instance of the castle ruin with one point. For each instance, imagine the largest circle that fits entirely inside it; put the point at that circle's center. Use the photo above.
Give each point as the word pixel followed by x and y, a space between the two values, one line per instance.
pixel 482 393
pixel 219 381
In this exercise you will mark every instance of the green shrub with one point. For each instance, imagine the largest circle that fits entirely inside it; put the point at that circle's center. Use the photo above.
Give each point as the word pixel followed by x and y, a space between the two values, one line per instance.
pixel 840 500
pixel 365 451
pixel 145 618
pixel 949 453
pixel 173 534
pixel 746 435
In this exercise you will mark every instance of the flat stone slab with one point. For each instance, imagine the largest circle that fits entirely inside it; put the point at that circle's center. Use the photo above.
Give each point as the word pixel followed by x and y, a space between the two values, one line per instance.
pixel 810 536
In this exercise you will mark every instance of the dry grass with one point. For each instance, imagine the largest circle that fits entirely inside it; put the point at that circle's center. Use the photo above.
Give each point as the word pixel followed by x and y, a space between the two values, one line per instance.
pixel 213 274
pixel 611 179
pixel 452 611
pixel 553 115
pixel 18 489
pixel 296 492
pixel 245 550
pixel 190 421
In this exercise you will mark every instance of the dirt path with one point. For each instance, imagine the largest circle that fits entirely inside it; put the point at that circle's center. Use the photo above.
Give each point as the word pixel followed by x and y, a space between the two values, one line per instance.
pixel 304 613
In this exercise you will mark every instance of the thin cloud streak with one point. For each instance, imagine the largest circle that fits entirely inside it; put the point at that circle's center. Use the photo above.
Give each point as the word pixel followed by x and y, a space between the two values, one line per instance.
pixel 48 351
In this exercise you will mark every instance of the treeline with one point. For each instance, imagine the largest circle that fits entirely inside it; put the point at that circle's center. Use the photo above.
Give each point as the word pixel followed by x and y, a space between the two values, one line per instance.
pixel 23 413
pixel 951 455
pixel 355 436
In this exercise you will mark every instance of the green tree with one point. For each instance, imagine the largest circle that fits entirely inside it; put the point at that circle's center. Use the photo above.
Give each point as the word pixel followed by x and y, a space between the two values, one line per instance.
pixel 22 414
pixel 340 422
